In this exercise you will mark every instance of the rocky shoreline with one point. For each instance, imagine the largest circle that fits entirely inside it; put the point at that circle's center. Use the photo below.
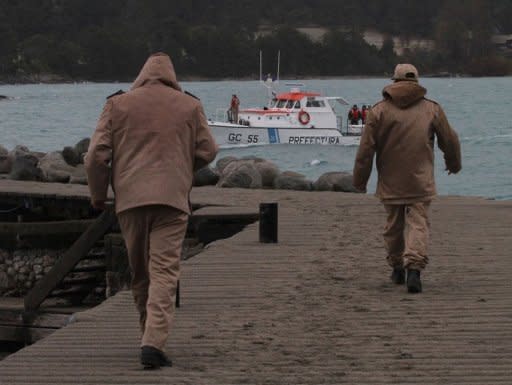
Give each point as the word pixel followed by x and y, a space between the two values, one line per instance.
pixel 67 166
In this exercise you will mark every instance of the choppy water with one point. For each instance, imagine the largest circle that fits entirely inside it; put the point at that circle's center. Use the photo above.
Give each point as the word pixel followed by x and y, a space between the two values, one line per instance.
pixel 49 117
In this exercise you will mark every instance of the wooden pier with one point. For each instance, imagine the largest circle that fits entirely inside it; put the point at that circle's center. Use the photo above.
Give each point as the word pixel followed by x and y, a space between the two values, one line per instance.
pixel 315 308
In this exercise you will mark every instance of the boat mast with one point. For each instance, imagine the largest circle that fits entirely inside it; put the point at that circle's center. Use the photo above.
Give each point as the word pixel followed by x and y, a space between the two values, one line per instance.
pixel 278 65
pixel 269 82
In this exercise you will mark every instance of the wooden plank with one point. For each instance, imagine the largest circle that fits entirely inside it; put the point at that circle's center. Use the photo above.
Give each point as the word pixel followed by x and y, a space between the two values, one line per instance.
pixel 12 333
pixel 100 265
pixel 28 189
pixel 224 212
pixel 24 334
pixel 50 227
pixel 69 259
pixel 47 320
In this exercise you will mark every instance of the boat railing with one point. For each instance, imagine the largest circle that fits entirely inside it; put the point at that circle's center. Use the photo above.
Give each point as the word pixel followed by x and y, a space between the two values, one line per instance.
pixel 339 123
pixel 347 128
pixel 222 115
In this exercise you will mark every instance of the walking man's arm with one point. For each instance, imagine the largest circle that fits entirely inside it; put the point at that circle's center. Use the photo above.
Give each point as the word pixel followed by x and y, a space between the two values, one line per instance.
pixel 448 142
pixel 99 156
pixel 206 148
pixel 364 158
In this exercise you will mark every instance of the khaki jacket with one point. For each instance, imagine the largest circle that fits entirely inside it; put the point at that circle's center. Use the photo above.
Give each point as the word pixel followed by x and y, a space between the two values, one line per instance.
pixel 401 130
pixel 149 141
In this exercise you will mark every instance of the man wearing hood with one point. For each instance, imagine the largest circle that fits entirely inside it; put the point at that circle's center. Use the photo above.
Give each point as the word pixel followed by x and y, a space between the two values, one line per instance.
pixel 401 130
pixel 148 143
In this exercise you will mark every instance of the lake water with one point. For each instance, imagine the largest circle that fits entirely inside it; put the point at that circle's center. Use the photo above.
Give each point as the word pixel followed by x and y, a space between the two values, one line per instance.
pixel 49 117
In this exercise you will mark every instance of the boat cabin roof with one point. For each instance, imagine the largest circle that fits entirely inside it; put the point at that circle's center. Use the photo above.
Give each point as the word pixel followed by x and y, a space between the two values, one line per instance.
pixel 295 95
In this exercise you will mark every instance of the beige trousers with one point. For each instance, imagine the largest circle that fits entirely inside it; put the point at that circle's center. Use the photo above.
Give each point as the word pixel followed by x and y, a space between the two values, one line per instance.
pixel 154 237
pixel 406 235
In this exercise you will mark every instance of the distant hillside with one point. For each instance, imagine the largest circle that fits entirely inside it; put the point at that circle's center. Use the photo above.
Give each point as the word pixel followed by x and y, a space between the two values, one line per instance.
pixel 109 40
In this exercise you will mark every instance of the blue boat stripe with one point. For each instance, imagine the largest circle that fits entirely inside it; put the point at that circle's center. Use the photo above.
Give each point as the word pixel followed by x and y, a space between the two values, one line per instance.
pixel 273 135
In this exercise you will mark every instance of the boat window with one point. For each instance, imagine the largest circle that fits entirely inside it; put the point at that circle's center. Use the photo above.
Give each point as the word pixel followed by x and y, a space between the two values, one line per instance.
pixel 315 103
pixel 289 104
pixel 297 105
pixel 281 103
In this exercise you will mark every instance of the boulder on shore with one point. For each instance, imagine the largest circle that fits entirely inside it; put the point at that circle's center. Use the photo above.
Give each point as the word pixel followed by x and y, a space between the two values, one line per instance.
pixel 5 161
pixel 24 165
pixel 205 176
pixel 268 171
pixel 55 168
pixel 334 181
pixel 79 175
pixel 70 156
pixel 290 180
pixel 223 162
pixel 82 147
pixel 240 173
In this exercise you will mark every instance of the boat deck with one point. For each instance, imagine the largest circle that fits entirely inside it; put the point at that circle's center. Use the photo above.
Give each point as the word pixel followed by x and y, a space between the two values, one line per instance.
pixel 315 308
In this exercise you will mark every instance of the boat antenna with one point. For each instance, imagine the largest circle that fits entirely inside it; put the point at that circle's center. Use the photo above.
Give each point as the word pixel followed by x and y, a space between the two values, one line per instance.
pixel 278 65
pixel 261 64
pixel 268 82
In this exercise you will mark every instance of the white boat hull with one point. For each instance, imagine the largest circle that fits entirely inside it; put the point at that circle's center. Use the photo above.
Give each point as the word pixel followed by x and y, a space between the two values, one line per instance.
pixel 228 135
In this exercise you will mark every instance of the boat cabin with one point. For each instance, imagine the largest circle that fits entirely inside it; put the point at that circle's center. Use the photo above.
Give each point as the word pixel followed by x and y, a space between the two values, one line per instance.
pixel 294 109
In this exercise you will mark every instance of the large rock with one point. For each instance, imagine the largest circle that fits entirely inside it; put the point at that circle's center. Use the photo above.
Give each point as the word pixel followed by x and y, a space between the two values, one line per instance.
pixel 240 173
pixel 334 181
pixel 205 176
pixel 5 161
pixel 290 180
pixel 70 156
pixel 24 165
pixel 19 150
pixel 55 168
pixel 268 171
pixel 223 162
pixel 79 175
pixel 82 147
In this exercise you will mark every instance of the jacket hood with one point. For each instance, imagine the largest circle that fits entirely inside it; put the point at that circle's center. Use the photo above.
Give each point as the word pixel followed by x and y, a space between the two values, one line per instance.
pixel 404 93
pixel 157 69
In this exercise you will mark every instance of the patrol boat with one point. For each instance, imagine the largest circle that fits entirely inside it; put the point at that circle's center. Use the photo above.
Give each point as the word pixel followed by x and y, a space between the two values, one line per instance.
pixel 294 117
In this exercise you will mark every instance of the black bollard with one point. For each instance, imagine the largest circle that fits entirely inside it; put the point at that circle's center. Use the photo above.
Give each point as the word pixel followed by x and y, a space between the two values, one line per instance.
pixel 268 222
pixel 178 304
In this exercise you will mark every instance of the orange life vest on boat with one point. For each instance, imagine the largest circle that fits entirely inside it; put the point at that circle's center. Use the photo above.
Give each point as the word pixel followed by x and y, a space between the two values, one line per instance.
pixel 354 114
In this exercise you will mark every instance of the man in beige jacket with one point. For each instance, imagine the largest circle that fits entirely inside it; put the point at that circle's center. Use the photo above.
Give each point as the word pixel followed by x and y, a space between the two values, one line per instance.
pixel 148 143
pixel 401 130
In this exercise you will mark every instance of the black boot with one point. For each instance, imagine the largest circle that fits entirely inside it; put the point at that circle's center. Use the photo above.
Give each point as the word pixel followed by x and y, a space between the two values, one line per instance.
pixel 413 281
pixel 398 276
pixel 153 358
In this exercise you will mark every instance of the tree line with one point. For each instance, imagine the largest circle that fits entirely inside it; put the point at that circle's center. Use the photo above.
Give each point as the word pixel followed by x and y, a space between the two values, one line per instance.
pixel 110 40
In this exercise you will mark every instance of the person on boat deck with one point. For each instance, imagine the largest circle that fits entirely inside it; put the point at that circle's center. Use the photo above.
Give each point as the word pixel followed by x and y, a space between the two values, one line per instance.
pixel 233 108
pixel 400 130
pixel 364 112
pixel 354 115
pixel 151 163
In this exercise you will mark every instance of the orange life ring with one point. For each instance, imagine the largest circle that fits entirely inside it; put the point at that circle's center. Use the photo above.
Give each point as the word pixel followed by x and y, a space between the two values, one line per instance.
pixel 304 117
